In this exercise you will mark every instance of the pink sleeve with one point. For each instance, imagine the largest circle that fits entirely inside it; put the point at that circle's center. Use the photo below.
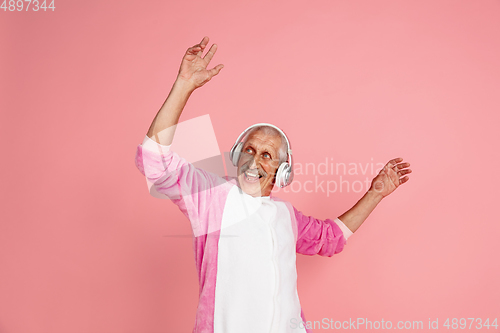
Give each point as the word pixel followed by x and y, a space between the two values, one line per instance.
pixel 317 236
pixel 190 188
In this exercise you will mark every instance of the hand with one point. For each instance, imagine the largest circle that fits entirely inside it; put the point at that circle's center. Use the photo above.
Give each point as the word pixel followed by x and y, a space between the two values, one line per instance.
pixel 193 68
pixel 389 178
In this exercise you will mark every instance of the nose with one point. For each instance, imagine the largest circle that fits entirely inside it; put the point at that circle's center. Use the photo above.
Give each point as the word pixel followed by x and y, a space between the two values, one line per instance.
pixel 253 163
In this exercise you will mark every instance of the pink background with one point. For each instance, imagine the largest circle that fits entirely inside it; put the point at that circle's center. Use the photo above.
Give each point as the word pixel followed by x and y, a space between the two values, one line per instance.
pixel 85 248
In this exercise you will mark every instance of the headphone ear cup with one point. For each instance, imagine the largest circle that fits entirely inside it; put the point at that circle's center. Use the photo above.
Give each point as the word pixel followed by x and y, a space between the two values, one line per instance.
pixel 235 153
pixel 283 174
pixel 286 175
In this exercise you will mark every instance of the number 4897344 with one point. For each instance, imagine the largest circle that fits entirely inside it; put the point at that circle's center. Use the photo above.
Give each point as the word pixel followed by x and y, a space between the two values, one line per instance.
pixel 13 5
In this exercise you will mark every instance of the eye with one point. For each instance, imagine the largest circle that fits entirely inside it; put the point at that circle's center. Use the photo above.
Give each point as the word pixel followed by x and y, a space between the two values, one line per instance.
pixel 266 155
pixel 248 150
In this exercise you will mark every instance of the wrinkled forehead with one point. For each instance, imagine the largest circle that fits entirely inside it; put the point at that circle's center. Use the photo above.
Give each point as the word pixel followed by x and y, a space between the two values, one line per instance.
pixel 260 140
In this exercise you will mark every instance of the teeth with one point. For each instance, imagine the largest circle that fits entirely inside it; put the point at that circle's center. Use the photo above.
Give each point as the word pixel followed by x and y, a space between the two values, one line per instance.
pixel 250 174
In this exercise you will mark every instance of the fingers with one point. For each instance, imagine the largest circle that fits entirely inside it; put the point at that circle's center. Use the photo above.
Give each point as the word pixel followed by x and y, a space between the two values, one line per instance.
pixel 210 53
pixel 400 169
pixel 203 44
pixel 403 172
pixel 393 164
pixel 400 166
pixel 198 48
pixel 404 180
pixel 403 165
pixel 214 71
pixel 194 50
pixel 395 161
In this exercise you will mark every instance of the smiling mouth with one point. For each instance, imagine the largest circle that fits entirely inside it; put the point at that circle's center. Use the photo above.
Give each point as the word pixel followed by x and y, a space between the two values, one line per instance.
pixel 252 176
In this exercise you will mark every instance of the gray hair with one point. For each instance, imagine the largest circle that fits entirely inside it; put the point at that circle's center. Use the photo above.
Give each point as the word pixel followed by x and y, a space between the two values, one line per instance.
pixel 268 130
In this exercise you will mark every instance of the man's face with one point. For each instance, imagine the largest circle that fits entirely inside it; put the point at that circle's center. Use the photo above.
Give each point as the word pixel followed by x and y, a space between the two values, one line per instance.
pixel 258 163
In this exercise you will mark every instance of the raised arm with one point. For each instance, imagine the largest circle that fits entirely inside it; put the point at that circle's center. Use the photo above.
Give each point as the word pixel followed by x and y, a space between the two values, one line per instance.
pixel 193 73
pixel 386 182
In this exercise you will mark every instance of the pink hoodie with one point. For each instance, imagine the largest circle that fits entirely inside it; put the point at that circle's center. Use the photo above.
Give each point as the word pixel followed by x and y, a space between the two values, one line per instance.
pixel 244 247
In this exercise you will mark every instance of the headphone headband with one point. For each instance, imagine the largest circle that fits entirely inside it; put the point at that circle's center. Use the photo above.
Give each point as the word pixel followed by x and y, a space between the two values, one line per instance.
pixel 289 148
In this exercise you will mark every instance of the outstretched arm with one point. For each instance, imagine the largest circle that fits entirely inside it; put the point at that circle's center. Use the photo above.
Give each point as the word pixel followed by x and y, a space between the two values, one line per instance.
pixel 193 73
pixel 386 182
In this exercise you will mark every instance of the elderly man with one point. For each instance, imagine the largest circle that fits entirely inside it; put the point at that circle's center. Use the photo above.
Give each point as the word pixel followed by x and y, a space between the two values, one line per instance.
pixel 246 240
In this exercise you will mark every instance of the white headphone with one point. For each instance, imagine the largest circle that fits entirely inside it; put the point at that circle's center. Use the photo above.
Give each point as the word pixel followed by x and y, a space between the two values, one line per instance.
pixel 284 175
